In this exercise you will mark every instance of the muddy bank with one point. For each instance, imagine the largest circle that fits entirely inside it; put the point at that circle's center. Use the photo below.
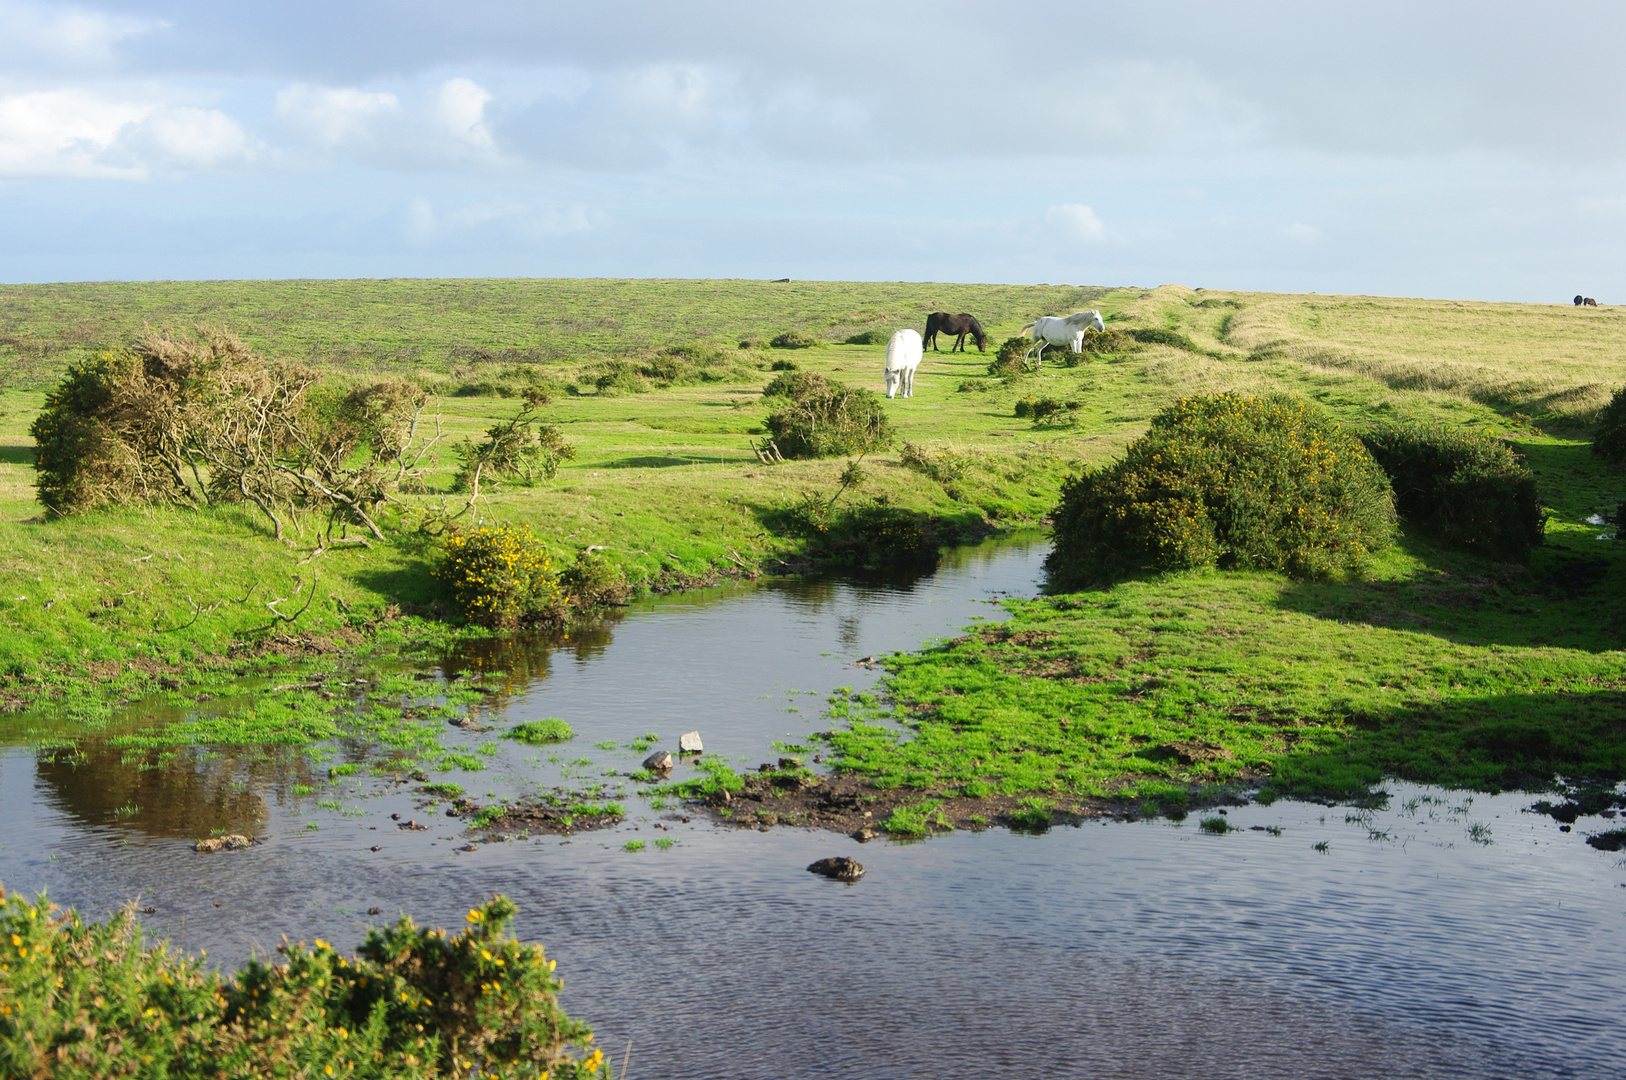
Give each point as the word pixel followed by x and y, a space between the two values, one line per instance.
pixel 852 804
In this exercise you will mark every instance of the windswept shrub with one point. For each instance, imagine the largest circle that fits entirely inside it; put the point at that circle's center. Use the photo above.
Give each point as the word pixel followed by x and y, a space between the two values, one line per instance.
pixel 1232 481
pixel 868 533
pixel 823 418
pixel 1470 491
pixel 1609 437
pixel 518 448
pixel 784 363
pixel 95 1000
pixel 794 339
pixel 1103 341
pixel 1011 358
pixel 869 337
pixel 205 420
pixel 500 577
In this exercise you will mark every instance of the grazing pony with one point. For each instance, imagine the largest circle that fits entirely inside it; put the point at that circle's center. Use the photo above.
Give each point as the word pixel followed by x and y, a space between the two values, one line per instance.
pixel 1050 330
pixel 903 355
pixel 1578 299
pixel 1589 302
pixel 960 325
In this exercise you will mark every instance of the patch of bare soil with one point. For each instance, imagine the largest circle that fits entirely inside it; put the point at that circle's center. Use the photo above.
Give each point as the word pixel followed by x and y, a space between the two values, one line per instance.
pixel 526 819
pixel 853 805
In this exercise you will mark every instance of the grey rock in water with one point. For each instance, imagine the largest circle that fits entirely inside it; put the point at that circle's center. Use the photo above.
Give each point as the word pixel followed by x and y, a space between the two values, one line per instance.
pixel 659 761
pixel 689 743
pixel 865 835
pixel 842 869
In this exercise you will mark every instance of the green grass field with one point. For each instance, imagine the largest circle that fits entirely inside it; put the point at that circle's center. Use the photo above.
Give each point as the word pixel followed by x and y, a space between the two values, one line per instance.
pixel 1437 666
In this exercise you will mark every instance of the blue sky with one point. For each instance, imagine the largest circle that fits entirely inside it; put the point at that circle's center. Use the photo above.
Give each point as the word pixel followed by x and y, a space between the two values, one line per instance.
pixel 1406 149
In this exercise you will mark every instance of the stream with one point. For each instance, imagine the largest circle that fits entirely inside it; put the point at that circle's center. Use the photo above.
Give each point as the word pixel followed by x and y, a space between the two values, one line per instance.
pixel 1447 934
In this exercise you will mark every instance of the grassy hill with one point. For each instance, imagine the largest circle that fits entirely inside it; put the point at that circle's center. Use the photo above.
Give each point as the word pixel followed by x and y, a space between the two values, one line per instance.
pixel 666 482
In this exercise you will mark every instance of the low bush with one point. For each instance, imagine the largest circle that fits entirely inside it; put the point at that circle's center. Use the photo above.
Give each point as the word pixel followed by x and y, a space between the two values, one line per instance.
pixel 975 386
pixel 868 533
pixel 1609 436
pixel 944 466
pixel 542 732
pixel 500 577
pixel 1037 408
pixel 784 363
pixel 794 339
pixel 1231 481
pixel 823 418
pixel 1011 358
pixel 593 581
pixel 796 385
pixel 1149 335
pixel 1470 491
pixel 95 1000
pixel 869 337
pixel 689 364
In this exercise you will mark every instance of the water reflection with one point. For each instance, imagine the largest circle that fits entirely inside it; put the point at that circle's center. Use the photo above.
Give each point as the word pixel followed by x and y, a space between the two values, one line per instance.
pixel 184 794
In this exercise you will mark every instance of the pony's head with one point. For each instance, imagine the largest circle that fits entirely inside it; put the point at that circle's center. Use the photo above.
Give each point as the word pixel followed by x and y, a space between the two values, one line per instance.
pixel 980 335
pixel 894 379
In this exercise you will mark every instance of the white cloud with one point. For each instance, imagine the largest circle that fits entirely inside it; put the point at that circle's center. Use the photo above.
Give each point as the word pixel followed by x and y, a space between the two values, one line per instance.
pixel 331 117
pixel 63 133
pixel 1304 234
pixel 1076 222
pixel 36 36
pixel 460 106
pixel 455 225
pixel 77 133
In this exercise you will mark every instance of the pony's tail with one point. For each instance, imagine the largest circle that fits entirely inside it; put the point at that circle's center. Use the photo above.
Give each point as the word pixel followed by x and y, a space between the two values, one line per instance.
pixel 1025 329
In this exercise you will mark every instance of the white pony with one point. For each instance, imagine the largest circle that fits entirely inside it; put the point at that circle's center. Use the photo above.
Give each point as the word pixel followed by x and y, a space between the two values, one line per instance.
pixel 1049 330
pixel 903 353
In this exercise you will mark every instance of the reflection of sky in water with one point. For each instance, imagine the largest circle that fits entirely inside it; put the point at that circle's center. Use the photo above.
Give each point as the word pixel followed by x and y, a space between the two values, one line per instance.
pixel 1117 950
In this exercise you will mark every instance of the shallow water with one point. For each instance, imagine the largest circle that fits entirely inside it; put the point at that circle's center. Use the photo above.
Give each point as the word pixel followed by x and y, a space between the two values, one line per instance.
pixel 1409 947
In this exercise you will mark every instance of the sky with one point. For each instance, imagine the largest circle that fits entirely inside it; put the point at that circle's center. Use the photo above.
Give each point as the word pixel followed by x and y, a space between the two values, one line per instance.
pixel 1472 151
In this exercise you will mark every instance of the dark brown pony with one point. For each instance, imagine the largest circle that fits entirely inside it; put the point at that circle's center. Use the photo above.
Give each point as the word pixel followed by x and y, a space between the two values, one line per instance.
pixel 960 325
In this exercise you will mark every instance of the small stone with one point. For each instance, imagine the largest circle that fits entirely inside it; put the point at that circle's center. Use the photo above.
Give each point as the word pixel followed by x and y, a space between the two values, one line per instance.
pixel 842 868
pixel 790 763
pixel 865 835
pixel 689 743
pixel 659 761
pixel 375 911
pixel 720 797
pixel 375 847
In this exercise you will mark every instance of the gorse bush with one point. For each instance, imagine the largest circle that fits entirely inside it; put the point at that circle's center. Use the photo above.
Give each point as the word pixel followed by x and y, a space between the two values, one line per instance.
pixel 1231 481
pixel 1609 436
pixel 500 577
pixel 675 365
pixel 794 339
pixel 1037 408
pixel 869 337
pixel 944 466
pixel 1011 358
pixel 823 418
pixel 592 581
pixel 1148 335
pixel 1471 491
pixel 93 1001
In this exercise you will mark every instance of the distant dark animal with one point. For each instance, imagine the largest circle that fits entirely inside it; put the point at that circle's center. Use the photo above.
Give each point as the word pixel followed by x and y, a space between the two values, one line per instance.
pixel 959 325
pixel 780 281
pixel 1578 299
pixel 1589 302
